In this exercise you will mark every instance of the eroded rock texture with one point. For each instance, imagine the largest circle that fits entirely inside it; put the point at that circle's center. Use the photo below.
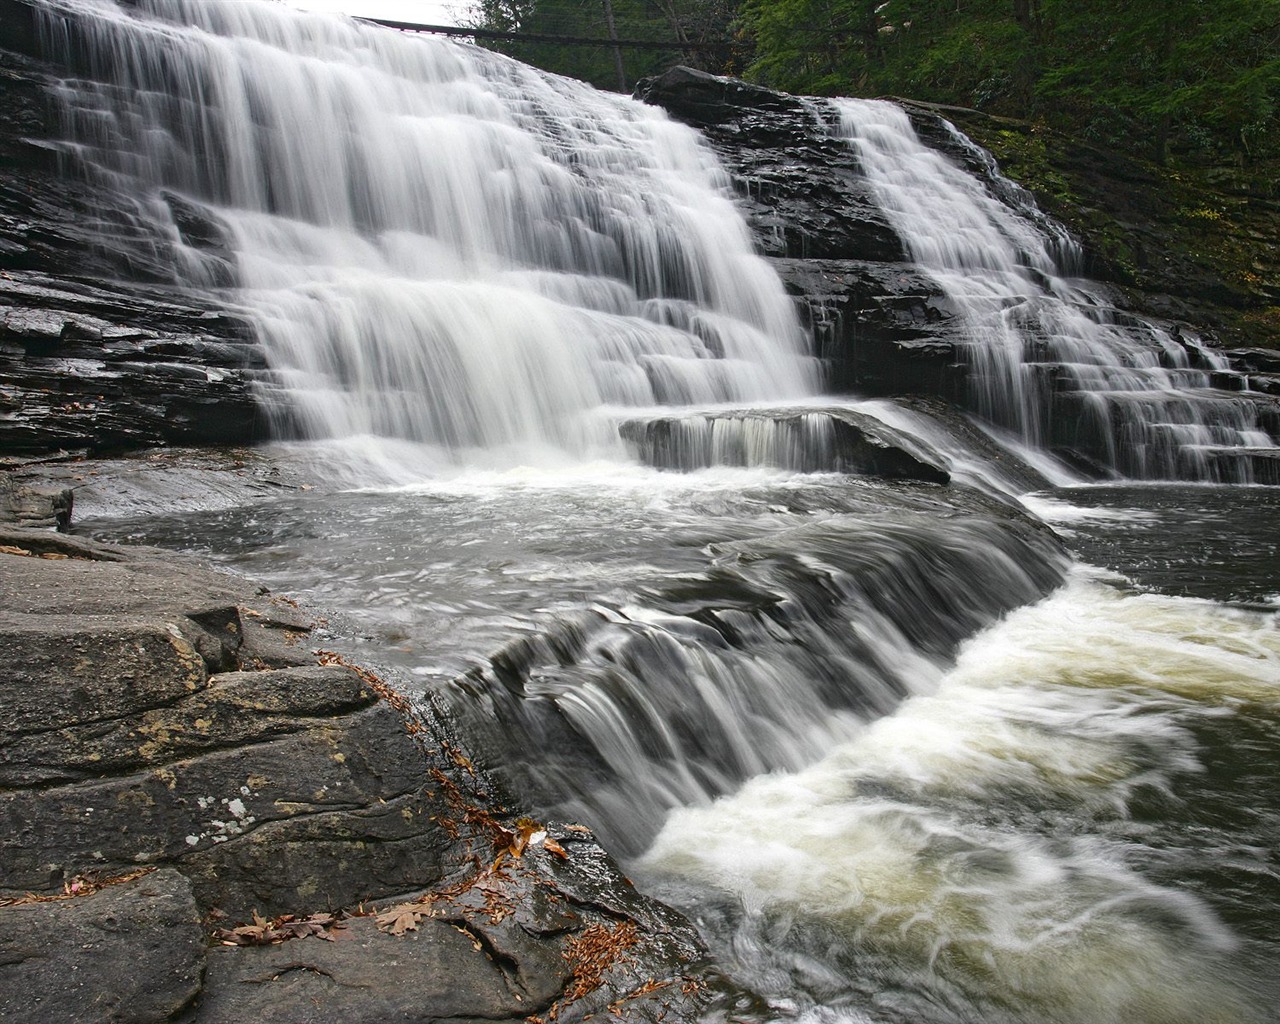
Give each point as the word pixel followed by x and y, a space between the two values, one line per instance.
pixel 173 760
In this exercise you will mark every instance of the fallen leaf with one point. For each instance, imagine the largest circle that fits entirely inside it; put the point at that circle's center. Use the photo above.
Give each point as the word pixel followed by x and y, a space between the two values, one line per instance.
pixel 402 918
pixel 554 847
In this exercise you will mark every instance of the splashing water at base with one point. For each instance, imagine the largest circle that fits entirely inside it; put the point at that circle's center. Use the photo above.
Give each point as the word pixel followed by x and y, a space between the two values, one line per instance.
pixel 990 851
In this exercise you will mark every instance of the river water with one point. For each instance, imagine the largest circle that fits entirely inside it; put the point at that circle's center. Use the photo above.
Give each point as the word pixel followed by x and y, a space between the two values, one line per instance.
pixel 1000 750
pixel 897 811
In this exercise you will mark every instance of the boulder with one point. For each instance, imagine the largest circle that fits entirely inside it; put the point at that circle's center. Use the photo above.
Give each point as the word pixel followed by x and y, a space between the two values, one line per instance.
pixel 132 951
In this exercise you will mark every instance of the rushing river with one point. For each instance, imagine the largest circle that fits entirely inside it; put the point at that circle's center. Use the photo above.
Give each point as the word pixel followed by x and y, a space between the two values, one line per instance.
pixel 1004 749
pixel 1074 816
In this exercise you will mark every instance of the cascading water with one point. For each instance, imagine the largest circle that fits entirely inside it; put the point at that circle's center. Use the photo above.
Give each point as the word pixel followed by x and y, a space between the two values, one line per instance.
pixel 848 724
pixel 438 245
pixel 1049 357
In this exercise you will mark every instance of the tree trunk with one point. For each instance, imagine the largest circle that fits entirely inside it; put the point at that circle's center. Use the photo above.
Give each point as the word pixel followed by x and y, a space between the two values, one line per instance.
pixel 612 26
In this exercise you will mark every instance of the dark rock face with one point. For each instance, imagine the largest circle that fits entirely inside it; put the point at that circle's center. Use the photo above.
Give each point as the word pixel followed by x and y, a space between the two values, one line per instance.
pixel 798 181
pixel 100 345
pixel 131 952
pixel 173 750
pixel 881 326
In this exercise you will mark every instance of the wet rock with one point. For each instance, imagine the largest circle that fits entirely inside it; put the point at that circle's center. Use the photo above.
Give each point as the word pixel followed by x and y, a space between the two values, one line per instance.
pixel 118 748
pixel 797 181
pixel 810 440
pixel 129 952
pixel 100 345
pixel 881 328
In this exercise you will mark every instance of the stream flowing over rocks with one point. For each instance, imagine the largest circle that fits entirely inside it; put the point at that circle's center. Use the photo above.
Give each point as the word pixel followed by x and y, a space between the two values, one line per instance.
pixel 759 490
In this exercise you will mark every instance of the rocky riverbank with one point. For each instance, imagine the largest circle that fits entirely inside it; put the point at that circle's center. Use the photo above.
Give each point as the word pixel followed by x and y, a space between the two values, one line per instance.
pixel 205 821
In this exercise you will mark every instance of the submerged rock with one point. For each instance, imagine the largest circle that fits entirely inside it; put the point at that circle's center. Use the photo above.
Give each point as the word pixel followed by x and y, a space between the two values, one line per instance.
pixel 804 440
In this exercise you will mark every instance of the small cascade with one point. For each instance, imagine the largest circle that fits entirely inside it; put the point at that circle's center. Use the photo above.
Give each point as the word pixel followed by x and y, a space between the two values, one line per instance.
pixel 437 244
pixel 1047 356
pixel 820 440
pixel 785 645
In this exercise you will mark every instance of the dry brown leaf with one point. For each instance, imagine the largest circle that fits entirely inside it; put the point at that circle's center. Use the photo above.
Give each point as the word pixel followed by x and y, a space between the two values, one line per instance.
pixel 80 885
pixel 402 918
pixel 525 829
pixel 281 929
pixel 554 847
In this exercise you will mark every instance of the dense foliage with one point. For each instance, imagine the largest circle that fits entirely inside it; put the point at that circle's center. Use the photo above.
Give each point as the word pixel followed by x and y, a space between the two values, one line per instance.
pixel 678 30
pixel 1201 77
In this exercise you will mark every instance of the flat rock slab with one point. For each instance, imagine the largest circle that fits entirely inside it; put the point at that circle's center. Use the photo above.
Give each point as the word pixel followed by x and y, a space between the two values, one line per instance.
pixel 551 935
pixel 433 973
pixel 125 740
pixel 53 670
pixel 131 952
pixel 181 723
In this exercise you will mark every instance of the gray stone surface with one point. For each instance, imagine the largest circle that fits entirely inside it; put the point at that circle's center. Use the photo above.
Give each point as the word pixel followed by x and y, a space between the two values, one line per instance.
pixel 131 952
pixel 181 723
pixel 556 935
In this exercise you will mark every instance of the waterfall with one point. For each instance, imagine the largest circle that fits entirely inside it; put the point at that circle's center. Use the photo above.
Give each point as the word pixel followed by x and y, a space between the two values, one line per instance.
pixel 437 244
pixel 1048 357
pixel 898 759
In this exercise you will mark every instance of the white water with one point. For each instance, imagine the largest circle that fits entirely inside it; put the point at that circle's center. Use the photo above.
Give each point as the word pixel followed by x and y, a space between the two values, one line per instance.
pixel 986 843
pixel 1131 394
pixel 439 244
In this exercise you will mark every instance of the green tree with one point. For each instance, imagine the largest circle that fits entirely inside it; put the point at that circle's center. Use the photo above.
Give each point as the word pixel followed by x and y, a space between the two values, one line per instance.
pixel 1204 74
pixel 676 28
pixel 1196 76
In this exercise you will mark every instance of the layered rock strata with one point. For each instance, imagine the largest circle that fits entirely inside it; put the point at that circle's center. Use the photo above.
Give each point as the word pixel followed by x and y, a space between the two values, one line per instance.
pixel 175 763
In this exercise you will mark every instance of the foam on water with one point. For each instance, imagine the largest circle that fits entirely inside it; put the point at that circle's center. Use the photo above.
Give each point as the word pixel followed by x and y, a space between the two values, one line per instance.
pixel 889 856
